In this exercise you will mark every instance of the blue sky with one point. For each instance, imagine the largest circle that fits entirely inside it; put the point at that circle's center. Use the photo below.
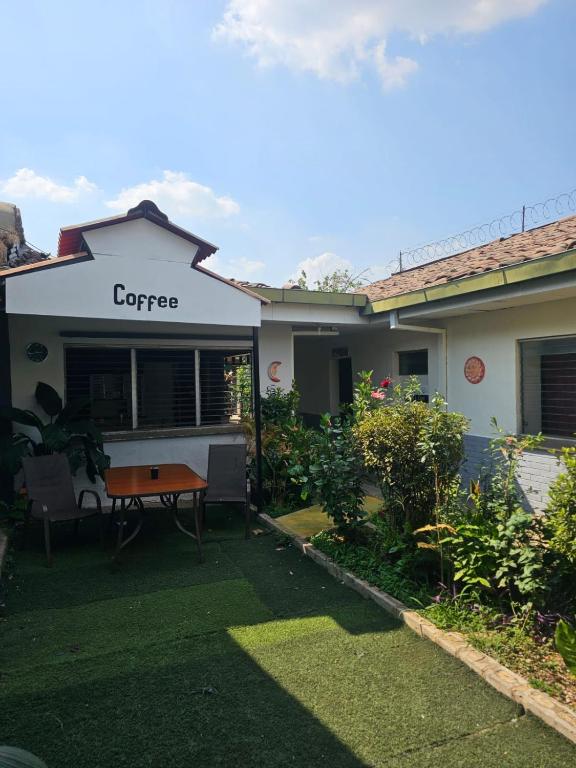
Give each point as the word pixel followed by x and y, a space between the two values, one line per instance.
pixel 288 132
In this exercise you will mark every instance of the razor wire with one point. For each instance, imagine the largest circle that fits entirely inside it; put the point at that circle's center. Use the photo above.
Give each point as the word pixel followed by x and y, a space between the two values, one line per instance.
pixel 528 217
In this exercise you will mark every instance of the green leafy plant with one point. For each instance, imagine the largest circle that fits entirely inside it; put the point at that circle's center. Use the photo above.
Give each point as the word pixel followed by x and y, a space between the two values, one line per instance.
pixel 66 431
pixel 565 639
pixel 561 510
pixel 339 281
pixel 285 442
pixel 332 475
pixel 412 448
pixel 492 544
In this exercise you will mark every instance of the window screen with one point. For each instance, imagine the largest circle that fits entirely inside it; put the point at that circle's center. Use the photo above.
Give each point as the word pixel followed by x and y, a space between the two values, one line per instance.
pixel 101 377
pixel 413 362
pixel 548 383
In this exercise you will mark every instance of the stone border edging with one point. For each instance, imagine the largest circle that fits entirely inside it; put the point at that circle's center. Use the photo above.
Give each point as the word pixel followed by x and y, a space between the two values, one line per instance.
pixel 510 684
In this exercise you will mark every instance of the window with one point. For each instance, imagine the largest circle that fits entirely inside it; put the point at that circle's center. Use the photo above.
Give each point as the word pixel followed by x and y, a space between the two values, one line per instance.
pixel 548 384
pixel 148 388
pixel 413 362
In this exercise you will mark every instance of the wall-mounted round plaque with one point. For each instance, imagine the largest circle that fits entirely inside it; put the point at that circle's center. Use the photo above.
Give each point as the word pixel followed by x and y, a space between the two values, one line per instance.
pixel 36 352
pixel 474 370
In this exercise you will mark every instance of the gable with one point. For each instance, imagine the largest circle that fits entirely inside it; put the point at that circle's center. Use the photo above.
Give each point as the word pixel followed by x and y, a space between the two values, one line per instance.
pixel 139 239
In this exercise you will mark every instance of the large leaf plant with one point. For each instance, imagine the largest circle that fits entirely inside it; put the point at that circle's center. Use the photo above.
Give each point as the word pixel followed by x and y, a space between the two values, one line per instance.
pixel 67 430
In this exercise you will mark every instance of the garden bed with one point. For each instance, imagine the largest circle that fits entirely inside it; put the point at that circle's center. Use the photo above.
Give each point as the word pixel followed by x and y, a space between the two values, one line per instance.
pixel 511 644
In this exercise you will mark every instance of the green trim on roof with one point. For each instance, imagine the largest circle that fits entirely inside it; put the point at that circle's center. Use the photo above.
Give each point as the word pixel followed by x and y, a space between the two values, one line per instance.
pixel 516 273
pixel 299 296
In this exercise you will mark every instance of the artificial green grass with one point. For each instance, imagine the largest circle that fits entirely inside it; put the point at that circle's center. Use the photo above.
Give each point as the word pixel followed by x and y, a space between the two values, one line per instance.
pixel 256 658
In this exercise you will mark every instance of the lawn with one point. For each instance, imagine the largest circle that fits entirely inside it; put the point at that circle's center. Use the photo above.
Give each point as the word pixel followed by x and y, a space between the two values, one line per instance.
pixel 254 658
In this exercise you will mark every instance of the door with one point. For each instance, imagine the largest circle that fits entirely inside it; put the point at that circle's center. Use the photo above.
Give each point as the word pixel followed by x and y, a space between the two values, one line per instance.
pixel 345 387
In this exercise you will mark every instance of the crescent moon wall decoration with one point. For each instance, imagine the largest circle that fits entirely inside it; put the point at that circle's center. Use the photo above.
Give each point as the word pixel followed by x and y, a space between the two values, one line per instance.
pixel 273 371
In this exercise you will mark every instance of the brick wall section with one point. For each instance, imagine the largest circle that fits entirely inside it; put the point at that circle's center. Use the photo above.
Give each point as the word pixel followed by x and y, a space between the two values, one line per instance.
pixel 537 470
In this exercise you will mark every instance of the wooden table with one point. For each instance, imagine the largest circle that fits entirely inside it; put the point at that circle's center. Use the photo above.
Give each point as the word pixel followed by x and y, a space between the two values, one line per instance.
pixel 133 484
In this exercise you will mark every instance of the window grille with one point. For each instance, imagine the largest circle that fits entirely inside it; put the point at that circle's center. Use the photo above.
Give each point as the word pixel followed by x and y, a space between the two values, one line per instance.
pixel 225 386
pixel 166 388
pixel 148 388
pixel 101 377
pixel 548 384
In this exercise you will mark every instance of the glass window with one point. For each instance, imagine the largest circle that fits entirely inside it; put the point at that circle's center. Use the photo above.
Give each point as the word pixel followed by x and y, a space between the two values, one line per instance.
pixel 548 384
pixel 413 362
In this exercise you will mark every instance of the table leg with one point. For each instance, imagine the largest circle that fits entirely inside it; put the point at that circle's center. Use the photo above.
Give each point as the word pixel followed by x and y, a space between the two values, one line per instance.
pixel 198 534
pixel 120 542
pixel 120 527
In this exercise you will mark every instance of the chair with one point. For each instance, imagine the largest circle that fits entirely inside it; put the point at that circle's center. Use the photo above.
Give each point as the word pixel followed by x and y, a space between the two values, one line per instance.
pixel 227 482
pixel 51 496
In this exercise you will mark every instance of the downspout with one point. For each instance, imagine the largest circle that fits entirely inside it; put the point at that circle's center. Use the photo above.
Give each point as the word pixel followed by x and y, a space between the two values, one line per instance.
pixel 396 325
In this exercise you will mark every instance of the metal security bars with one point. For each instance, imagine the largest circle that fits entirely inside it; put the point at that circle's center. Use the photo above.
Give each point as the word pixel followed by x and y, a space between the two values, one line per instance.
pixel 548 383
pixel 160 388
pixel 101 377
pixel 225 386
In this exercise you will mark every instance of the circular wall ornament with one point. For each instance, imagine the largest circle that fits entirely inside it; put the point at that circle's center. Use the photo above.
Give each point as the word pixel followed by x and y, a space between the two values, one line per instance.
pixel 36 352
pixel 474 370
pixel 273 371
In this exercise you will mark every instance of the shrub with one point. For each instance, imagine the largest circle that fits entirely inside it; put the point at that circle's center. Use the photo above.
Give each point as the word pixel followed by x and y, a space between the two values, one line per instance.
pixel 285 441
pixel 332 473
pixel 413 449
pixel 494 546
pixel 561 510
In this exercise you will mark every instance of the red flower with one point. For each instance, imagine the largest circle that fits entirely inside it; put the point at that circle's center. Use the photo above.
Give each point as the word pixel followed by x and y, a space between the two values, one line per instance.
pixel 385 383
pixel 378 395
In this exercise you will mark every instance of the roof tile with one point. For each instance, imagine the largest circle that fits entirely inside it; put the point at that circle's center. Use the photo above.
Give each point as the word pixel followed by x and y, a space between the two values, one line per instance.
pixel 548 240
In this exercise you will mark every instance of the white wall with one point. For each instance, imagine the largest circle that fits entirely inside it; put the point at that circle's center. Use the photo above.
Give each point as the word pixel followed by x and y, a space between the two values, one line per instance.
pixel 146 260
pixel 276 346
pixel 371 349
pixel 493 336
pixel 377 350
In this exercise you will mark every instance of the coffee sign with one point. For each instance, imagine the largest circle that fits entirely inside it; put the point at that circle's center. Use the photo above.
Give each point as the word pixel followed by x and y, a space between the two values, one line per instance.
pixel 142 300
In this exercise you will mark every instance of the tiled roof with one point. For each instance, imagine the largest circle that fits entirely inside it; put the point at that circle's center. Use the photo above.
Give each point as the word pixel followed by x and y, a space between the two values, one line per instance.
pixel 554 238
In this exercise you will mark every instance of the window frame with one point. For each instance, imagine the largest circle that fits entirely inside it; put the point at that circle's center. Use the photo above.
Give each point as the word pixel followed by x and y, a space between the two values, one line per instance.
pixel 135 431
pixel 550 441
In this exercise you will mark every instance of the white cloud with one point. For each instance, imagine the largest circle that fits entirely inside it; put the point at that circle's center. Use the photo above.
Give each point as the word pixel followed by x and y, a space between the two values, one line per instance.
pixel 393 72
pixel 177 196
pixel 338 39
pixel 239 269
pixel 26 183
pixel 317 267
pixel 246 267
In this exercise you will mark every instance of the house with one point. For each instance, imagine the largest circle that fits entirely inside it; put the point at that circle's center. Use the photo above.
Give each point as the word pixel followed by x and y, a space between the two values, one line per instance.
pixel 127 315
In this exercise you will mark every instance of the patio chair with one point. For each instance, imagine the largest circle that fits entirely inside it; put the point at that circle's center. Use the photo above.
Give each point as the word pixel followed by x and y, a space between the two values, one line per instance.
pixel 51 496
pixel 227 481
